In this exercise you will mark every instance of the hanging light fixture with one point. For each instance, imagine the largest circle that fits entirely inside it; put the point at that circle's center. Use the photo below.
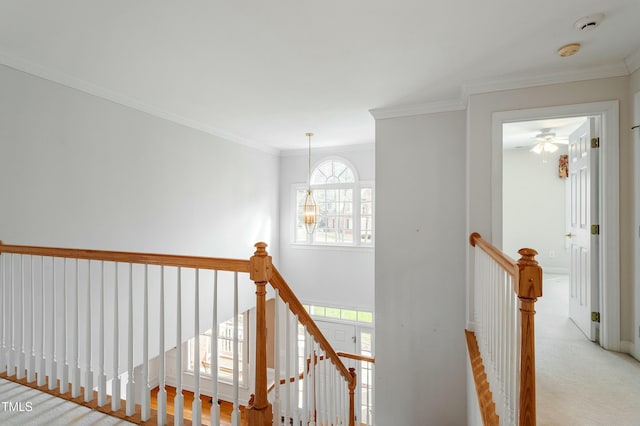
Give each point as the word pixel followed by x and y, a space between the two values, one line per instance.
pixel 309 202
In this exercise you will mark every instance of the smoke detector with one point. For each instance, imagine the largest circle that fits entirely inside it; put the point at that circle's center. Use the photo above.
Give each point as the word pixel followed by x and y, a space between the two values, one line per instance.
pixel 589 22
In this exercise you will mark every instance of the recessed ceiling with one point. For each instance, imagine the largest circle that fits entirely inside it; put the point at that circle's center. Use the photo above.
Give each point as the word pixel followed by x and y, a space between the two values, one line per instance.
pixel 265 73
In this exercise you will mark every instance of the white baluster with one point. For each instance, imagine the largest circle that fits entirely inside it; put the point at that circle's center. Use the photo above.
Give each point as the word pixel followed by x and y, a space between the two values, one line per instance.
pixel 11 355
pixel 31 364
pixel 312 383
pixel 115 382
pixel 287 357
pixel 215 406
pixel 130 404
pixel 88 372
pixel 21 355
pixel 296 373
pixel 235 415
pixel 178 401
pixel 196 406
pixel 64 373
pixel 276 358
pixel 305 378
pixel 3 322
pixel 145 400
pixel 162 393
pixel 53 373
pixel 42 371
pixel 76 374
pixel 102 378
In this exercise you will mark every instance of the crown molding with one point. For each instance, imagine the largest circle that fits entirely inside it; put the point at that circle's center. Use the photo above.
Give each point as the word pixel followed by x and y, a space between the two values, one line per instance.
pixel 419 109
pixel 328 150
pixel 633 61
pixel 617 69
pixel 76 83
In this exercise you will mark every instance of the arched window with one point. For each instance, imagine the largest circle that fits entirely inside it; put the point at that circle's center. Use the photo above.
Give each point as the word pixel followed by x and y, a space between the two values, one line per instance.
pixel 344 206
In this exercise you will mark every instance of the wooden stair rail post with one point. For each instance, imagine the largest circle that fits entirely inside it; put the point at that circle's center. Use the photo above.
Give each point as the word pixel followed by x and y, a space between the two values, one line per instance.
pixel 352 390
pixel 529 288
pixel 260 413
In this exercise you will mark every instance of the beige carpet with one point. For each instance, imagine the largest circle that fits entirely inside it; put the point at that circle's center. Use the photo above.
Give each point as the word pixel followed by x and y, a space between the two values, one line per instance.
pixel 21 405
pixel 578 382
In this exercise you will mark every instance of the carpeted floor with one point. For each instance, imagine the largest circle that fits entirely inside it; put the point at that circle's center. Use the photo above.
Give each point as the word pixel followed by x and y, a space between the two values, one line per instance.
pixel 578 382
pixel 21 405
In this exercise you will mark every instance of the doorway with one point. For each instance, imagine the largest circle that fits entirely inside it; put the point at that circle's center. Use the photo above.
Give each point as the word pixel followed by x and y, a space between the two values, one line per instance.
pixel 608 288
pixel 548 205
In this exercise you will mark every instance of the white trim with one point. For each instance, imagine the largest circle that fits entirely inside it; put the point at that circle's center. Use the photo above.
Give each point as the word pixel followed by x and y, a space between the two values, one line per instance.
pixel 633 61
pixel 617 69
pixel 76 83
pixel 626 347
pixel 609 207
pixel 446 105
pixel 328 150
pixel 636 228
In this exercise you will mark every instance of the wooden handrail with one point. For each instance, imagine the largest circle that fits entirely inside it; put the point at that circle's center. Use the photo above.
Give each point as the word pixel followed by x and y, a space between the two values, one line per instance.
pixel 287 295
pixel 357 357
pixel 527 282
pixel 507 263
pixel 196 262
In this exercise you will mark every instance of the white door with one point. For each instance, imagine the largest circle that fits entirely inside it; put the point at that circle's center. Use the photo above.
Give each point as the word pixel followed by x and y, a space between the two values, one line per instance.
pixel 342 337
pixel 583 183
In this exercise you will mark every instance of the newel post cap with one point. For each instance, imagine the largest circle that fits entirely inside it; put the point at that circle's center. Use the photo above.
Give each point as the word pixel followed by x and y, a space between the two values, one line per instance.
pixel 530 275
pixel 260 264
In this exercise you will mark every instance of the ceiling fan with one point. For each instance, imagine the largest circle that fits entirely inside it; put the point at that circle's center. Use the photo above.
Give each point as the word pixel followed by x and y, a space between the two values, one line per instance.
pixel 547 142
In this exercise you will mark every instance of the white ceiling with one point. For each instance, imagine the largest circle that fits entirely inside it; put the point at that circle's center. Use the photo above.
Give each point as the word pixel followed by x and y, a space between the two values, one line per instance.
pixel 266 72
pixel 522 135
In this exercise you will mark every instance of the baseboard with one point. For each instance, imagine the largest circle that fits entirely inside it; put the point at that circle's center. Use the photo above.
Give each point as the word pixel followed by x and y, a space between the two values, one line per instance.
pixel 627 347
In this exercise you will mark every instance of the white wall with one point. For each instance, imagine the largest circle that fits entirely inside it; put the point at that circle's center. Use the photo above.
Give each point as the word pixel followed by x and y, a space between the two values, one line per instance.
pixel 635 120
pixel 335 276
pixel 479 152
pixel 535 196
pixel 80 171
pixel 420 278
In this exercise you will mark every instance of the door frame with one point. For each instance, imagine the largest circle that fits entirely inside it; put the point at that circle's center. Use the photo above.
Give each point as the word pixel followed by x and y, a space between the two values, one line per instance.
pixel 608 183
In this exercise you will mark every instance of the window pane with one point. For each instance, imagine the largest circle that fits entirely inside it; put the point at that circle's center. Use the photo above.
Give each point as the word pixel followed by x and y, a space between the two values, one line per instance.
pixel 332 313
pixel 365 316
pixel 317 310
pixel 348 314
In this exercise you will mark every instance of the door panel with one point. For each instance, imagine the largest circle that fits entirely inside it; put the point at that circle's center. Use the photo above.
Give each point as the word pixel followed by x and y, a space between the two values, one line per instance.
pixel 584 250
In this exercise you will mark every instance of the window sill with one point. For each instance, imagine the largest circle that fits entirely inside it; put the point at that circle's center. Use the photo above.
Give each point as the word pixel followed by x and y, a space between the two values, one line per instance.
pixel 331 247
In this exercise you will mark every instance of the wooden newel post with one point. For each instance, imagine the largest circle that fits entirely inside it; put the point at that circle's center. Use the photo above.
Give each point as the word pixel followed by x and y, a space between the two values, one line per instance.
pixel 260 413
pixel 529 289
pixel 352 390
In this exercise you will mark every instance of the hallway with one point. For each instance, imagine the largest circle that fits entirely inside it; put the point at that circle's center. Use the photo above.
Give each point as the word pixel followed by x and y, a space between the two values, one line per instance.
pixel 578 382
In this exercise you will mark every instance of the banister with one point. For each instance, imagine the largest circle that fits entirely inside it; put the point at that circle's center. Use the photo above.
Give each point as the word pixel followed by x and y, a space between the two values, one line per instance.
pixel 196 262
pixel 287 295
pixel 356 357
pixel 527 285
pixel 507 263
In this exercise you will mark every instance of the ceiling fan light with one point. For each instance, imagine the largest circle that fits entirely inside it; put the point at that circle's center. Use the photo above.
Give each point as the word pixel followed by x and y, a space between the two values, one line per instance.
pixel 550 147
pixel 537 149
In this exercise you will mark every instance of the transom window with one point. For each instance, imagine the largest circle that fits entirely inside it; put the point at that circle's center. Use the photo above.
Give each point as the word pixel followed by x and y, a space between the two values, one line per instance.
pixel 344 207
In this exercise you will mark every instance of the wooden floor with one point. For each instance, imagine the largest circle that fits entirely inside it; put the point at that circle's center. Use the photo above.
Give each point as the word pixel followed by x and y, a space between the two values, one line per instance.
pixel 225 407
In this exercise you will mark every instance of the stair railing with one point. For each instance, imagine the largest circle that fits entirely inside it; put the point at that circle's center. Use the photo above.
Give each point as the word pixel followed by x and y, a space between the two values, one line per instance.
pixel 59 308
pixel 502 340
pixel 312 385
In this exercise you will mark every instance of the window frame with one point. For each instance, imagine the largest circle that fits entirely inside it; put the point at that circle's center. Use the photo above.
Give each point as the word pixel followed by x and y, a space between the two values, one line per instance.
pixel 357 186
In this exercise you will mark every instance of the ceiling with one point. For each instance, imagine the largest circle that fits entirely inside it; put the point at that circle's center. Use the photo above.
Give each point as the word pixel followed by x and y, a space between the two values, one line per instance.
pixel 522 134
pixel 264 73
